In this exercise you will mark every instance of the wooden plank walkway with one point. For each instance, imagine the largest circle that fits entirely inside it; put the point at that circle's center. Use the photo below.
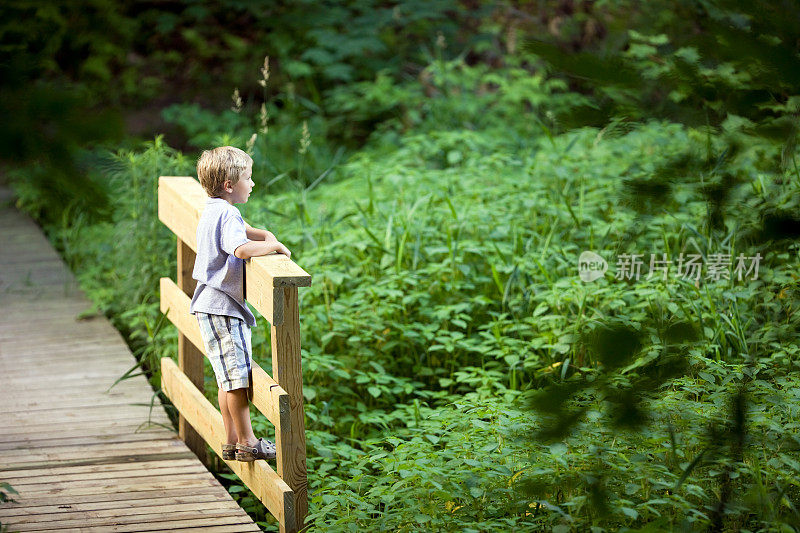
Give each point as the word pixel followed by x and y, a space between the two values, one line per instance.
pixel 81 458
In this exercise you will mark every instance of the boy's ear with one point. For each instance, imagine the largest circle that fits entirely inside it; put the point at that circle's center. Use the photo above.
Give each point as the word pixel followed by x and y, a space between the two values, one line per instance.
pixel 226 185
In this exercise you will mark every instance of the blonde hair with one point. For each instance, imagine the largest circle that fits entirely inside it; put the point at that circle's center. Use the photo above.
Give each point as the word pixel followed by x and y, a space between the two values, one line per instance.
pixel 220 164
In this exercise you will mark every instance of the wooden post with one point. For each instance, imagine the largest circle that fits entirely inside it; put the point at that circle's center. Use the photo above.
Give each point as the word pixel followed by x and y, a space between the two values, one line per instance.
pixel 190 359
pixel 287 371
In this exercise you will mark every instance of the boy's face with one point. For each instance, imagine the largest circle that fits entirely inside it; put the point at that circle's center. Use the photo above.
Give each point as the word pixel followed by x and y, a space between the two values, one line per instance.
pixel 241 190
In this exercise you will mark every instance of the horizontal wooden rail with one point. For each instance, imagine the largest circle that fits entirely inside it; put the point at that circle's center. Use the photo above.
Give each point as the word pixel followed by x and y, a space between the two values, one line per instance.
pixel 265 483
pixel 180 204
pixel 268 396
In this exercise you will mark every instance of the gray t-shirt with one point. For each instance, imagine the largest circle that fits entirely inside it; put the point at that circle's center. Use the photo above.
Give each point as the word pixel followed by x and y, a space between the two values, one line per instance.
pixel 219 273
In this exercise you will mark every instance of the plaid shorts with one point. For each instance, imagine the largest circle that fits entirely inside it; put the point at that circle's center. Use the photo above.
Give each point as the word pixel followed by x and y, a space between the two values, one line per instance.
pixel 227 341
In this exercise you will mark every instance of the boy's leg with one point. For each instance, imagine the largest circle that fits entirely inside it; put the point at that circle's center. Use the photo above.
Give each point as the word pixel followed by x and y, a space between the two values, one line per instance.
pixel 239 408
pixel 227 419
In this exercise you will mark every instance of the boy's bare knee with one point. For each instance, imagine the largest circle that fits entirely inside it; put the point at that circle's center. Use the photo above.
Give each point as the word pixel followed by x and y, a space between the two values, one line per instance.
pixel 240 395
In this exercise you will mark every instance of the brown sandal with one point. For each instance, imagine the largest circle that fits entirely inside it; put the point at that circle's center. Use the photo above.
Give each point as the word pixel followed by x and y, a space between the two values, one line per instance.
pixel 229 452
pixel 263 449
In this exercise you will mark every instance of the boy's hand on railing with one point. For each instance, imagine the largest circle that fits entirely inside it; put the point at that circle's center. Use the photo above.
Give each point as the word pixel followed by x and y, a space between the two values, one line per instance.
pixel 259 248
pixel 255 234
pixel 283 250
pixel 269 237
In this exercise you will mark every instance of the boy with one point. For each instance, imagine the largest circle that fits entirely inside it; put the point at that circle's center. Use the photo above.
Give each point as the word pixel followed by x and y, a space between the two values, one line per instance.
pixel 224 243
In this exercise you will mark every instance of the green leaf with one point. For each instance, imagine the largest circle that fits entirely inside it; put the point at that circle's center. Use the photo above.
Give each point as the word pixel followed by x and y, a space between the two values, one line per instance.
pixel 632 513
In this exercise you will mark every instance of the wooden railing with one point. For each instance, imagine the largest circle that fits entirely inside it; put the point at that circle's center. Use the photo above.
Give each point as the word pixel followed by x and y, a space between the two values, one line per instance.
pixel 271 284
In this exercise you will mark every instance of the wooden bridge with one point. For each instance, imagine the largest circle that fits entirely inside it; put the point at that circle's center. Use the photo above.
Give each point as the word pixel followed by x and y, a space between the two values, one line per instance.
pixel 86 458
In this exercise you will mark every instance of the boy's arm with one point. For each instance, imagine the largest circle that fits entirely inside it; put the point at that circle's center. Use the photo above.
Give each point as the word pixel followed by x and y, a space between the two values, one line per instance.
pixel 258 234
pixel 236 235
pixel 258 248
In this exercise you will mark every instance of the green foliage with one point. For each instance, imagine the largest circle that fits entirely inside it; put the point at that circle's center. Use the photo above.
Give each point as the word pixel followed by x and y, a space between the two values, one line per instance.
pixel 278 159
pixel 710 62
pixel 67 73
pixel 42 142
pixel 47 116
pixel 453 95
pixel 85 41
pixel 731 67
pixel 6 490
pixel 140 48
